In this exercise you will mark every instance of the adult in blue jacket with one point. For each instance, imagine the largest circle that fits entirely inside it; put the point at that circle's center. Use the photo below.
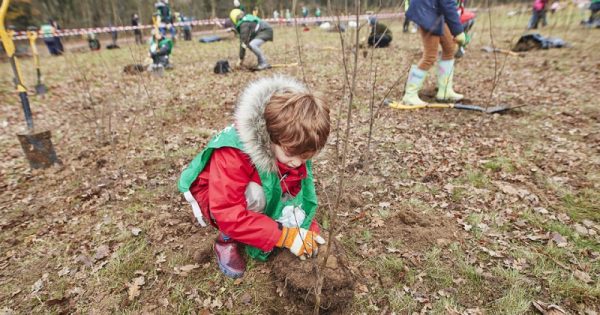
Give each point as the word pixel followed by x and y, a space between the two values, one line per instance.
pixel 439 24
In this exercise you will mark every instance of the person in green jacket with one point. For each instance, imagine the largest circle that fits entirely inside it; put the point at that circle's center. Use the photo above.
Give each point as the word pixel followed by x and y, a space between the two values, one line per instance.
pixel 594 8
pixel 253 33
pixel 160 50
pixel 380 35
pixel 51 39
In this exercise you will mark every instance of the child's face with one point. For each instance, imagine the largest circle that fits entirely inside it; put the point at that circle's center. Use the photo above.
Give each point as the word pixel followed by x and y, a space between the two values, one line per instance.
pixel 291 161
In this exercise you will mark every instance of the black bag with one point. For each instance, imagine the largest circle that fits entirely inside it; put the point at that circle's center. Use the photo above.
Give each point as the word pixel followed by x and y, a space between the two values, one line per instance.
pixel 534 41
pixel 222 67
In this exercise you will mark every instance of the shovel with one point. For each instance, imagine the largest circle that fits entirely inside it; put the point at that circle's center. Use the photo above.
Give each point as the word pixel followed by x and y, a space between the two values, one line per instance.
pixel 277 65
pixel 40 88
pixel 36 145
pixel 489 49
pixel 488 110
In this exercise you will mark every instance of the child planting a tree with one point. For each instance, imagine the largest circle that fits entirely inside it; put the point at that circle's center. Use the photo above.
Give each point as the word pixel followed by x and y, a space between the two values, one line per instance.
pixel 254 182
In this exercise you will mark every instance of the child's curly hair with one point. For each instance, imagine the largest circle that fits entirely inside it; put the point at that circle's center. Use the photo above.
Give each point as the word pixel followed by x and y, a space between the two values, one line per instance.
pixel 298 122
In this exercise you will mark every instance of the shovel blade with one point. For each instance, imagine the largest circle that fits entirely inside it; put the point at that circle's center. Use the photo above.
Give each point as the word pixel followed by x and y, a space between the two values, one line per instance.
pixel 497 109
pixel 38 149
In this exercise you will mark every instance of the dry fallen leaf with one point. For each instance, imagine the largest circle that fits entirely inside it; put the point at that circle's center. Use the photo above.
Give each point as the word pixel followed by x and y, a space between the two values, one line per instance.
pixel 507 188
pixel 560 240
pixel 85 260
pixel 63 272
pixel 362 288
pixel 134 287
pixel 185 270
pixel 548 309
pixel 164 302
pixel 392 250
pixel 580 229
pixel 101 252
pixel 246 298
pixel 376 222
pixel 583 276
pixel 563 217
pixel 216 303
pixel 37 286
pixel 160 258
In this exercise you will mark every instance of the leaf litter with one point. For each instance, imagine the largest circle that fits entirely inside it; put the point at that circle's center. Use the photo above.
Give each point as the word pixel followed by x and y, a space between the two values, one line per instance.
pixel 452 191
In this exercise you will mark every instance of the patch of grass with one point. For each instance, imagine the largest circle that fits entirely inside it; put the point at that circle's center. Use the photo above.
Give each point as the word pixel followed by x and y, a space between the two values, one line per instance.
pixel 477 179
pixel 458 194
pixel 582 205
pixel 367 236
pixel 566 231
pixel 471 275
pixel 533 218
pixel 515 300
pixel 401 302
pixel 129 258
pixel 416 204
pixel 179 299
pixel 568 287
pixel 474 281
pixel 500 163
pixel 475 219
pixel 392 266
pixel 350 244
pixel 440 274
pixel 134 209
pixel 445 305
pixel 420 188
pixel 384 213
pixel 404 145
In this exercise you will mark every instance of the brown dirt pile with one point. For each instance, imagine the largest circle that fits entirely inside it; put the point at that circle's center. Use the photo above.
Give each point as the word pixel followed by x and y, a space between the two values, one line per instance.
pixel 298 279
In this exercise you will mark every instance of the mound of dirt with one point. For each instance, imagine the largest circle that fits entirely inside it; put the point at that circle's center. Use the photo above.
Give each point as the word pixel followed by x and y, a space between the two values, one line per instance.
pixel 421 230
pixel 134 68
pixel 298 279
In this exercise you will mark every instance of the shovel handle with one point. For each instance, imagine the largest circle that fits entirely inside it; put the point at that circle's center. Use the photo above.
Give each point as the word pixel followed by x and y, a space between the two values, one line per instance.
pixel 26 109
pixel 32 36
pixel 9 47
pixel 396 105
pixel 469 107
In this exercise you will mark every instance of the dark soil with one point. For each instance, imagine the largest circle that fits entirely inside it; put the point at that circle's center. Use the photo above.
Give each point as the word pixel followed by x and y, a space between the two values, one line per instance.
pixel 298 279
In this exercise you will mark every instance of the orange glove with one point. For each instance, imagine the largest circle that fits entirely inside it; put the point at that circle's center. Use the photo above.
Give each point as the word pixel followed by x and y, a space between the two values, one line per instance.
pixel 300 241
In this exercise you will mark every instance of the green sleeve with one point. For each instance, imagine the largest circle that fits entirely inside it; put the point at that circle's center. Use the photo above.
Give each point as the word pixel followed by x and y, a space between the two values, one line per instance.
pixel 189 175
pixel 309 197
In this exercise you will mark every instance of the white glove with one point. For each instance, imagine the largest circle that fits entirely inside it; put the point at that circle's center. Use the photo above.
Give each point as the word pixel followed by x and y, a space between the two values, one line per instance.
pixel 236 3
pixel 292 216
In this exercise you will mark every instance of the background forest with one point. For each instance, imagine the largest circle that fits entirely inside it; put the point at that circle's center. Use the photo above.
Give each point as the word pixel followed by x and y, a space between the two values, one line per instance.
pixel 92 13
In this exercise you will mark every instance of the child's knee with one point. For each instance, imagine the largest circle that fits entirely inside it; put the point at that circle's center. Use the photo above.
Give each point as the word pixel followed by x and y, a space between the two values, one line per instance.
pixel 427 62
pixel 449 52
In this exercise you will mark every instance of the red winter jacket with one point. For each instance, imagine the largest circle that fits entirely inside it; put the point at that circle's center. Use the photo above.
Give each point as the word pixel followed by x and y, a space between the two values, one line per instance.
pixel 220 191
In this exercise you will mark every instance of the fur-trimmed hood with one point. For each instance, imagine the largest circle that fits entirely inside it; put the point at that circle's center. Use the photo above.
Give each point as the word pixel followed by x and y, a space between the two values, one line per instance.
pixel 250 121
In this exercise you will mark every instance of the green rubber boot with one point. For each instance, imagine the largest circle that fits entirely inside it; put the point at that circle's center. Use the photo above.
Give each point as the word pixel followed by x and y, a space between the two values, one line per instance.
pixel 416 77
pixel 445 92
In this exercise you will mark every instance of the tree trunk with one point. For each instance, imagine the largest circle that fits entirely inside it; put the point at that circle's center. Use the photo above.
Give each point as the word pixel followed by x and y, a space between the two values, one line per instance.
pixel 213 8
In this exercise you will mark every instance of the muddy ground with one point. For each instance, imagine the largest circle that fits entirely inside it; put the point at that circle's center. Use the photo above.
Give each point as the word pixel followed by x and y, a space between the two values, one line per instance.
pixel 446 211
